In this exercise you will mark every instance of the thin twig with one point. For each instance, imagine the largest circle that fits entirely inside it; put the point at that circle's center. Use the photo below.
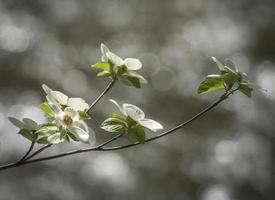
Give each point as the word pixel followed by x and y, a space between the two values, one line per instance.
pixel 100 147
pixel 97 148
pixel 38 151
pixel 109 86
pixel 27 153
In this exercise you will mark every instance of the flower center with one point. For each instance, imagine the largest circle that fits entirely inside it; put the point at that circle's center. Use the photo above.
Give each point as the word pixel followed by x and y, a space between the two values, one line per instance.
pixel 67 120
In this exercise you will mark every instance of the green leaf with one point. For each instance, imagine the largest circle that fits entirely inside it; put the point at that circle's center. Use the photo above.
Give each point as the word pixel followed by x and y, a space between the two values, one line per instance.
pixel 211 83
pixel 16 122
pixel 141 78
pixel 104 74
pixel 45 107
pixel 72 136
pixel 120 70
pixel 113 125
pixel 102 65
pixel 136 133
pixel 44 132
pixel 30 124
pixel 130 81
pixel 56 138
pixel 229 78
pixel 246 89
pixel 28 134
pixel 119 117
pixel 83 115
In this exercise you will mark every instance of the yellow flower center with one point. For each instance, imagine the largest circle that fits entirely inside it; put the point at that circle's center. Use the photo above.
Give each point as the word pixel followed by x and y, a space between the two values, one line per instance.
pixel 67 120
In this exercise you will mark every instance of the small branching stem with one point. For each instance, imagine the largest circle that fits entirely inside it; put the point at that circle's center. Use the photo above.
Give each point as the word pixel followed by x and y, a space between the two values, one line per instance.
pixel 101 147
pixel 109 86
pixel 27 153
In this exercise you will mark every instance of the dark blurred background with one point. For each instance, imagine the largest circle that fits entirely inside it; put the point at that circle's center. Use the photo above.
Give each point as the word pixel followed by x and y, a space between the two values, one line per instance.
pixel 225 155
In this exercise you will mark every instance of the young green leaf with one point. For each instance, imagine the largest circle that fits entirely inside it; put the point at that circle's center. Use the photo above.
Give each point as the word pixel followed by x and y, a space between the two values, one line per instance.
pixel 72 136
pixel 119 117
pixel 30 124
pixel 230 78
pixel 136 133
pixel 16 122
pixel 130 81
pixel 83 115
pixel 45 107
pixel 211 83
pixel 104 74
pixel 246 89
pixel 55 138
pixel 113 125
pixel 28 134
pixel 102 65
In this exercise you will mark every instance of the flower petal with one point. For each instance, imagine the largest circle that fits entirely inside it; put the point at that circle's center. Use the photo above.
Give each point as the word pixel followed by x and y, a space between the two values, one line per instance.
pixel 116 60
pixel 132 63
pixel 78 104
pixel 80 133
pixel 46 89
pixel 133 111
pixel 72 113
pixel 92 137
pixel 56 109
pixel 60 97
pixel 118 106
pixel 82 125
pixel 151 124
pixel 104 50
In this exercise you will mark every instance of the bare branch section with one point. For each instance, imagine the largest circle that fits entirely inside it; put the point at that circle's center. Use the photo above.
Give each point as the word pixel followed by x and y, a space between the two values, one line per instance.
pixel 101 146
pixel 27 153
pixel 109 86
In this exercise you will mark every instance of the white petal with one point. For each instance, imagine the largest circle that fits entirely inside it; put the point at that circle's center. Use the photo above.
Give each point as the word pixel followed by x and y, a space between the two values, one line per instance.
pixel 51 99
pixel 133 111
pixel 78 104
pixel 219 64
pixel 151 124
pixel 92 137
pixel 104 51
pixel 46 89
pixel 118 106
pixel 72 113
pixel 116 60
pixel 82 125
pixel 132 63
pixel 60 97
pixel 81 134
pixel 56 110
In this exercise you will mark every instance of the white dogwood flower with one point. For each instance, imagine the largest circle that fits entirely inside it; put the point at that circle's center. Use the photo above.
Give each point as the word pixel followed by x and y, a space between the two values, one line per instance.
pixel 69 119
pixel 130 63
pixel 138 115
pixel 61 99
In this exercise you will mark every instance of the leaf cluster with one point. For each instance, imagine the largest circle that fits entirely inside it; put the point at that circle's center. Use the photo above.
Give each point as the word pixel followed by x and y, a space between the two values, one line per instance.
pixel 125 76
pixel 229 78
pixel 125 125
